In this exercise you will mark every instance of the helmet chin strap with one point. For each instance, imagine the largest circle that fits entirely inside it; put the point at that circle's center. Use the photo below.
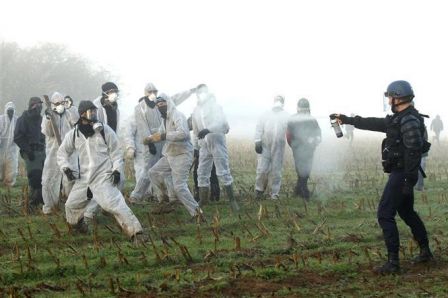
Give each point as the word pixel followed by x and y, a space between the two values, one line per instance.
pixel 395 105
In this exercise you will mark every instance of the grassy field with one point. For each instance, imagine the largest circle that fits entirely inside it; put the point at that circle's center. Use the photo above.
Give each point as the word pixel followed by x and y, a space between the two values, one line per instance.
pixel 327 247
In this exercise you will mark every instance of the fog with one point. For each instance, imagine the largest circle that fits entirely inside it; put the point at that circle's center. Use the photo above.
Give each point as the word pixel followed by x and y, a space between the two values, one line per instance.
pixel 341 55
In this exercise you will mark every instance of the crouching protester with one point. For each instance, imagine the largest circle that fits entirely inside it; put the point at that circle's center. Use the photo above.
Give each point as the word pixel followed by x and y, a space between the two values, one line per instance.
pixel 170 174
pixel 97 174
pixel 402 150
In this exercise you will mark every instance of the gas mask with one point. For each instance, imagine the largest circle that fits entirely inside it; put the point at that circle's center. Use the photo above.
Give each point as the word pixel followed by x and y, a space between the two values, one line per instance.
pixel 112 97
pixel 10 113
pixel 152 96
pixel 163 109
pixel 278 104
pixel 59 108
pixel 91 116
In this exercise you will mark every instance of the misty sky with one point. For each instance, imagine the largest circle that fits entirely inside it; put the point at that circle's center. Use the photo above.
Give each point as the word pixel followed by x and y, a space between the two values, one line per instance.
pixel 339 54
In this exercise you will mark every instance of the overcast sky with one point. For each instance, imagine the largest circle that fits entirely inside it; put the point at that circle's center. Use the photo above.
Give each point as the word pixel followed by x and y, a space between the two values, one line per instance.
pixel 339 54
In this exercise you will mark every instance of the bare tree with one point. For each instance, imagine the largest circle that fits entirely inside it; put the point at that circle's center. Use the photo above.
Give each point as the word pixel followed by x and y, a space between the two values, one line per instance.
pixel 43 69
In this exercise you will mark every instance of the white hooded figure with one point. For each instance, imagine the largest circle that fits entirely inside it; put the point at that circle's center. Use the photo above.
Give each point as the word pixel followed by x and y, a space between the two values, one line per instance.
pixel 107 113
pixel 99 162
pixel 8 149
pixel 54 182
pixel 210 127
pixel 270 140
pixel 172 170
pixel 146 121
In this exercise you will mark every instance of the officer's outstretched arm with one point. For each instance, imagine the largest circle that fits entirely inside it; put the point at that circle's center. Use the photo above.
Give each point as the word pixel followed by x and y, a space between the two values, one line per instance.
pixel 413 142
pixel 370 123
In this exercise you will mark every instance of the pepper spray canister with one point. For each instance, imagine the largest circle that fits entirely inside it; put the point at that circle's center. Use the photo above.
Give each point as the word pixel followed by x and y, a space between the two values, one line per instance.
pixel 335 124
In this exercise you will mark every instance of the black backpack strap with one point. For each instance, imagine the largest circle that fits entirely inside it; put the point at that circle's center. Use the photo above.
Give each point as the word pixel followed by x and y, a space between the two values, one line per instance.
pixel 103 135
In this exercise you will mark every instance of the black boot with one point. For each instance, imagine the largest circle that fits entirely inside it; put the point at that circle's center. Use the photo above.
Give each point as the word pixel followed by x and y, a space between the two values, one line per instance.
pixel 196 194
pixel 203 196
pixel 259 195
pixel 424 256
pixel 232 199
pixel 392 266
pixel 305 190
pixel 35 199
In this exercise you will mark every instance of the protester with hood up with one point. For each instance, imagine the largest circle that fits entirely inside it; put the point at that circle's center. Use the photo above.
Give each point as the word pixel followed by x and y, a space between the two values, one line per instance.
pixel 215 191
pixel 28 136
pixel 54 183
pixel 146 121
pixel 97 173
pixel 171 172
pixel 303 135
pixel 209 129
pixel 107 105
pixel 270 147
pixel 8 149
pixel 71 109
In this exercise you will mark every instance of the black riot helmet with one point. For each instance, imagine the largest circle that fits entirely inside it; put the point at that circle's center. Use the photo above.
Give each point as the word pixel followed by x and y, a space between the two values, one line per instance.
pixel 400 89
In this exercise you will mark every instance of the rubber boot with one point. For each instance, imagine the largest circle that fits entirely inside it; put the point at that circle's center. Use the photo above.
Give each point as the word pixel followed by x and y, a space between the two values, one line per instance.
pixel 203 196
pixel 259 195
pixel 424 256
pixel 305 191
pixel 233 203
pixel 392 266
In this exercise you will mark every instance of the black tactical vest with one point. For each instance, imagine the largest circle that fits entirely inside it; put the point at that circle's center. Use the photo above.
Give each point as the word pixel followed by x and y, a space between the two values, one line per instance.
pixel 392 146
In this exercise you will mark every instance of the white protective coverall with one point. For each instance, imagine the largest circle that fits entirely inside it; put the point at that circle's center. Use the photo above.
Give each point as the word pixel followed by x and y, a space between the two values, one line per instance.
pixel 98 158
pixel 271 131
pixel 52 177
pixel 147 121
pixel 93 207
pixel 9 151
pixel 212 148
pixel 172 170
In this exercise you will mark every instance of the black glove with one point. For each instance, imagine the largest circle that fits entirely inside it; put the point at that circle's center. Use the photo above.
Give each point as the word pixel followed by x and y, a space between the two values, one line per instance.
pixel 203 133
pixel 196 153
pixel 69 173
pixel 258 147
pixel 30 155
pixel 152 148
pixel 89 194
pixel 343 118
pixel 115 177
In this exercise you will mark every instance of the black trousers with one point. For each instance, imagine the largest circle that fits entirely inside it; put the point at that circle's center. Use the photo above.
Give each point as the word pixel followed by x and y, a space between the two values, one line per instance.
pixel 215 191
pixel 393 201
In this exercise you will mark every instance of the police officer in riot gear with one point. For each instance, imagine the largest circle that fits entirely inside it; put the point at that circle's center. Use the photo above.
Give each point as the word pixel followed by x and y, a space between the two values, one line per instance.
pixel 402 150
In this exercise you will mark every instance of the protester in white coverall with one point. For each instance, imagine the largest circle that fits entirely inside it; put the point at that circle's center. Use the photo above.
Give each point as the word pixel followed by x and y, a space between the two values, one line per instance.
pixel 107 113
pixel 146 121
pixel 54 182
pixel 100 158
pixel 9 151
pixel 210 127
pixel 172 170
pixel 270 140
pixel 71 109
